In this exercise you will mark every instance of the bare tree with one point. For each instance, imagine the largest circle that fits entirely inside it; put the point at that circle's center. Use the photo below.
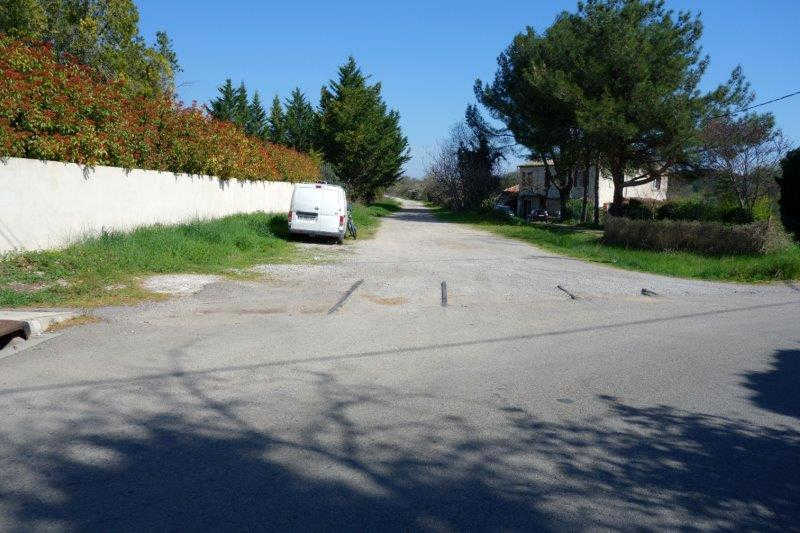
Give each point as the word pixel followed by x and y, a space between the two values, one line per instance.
pixel 744 154
pixel 464 172
pixel 442 182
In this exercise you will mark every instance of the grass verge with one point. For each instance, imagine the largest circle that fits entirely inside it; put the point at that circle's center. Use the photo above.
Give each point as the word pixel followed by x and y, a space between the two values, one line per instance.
pixel 103 270
pixel 106 270
pixel 585 243
pixel 367 217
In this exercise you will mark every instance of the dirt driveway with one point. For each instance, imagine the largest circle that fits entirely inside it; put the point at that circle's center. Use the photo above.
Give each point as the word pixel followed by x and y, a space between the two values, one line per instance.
pixel 413 253
pixel 347 396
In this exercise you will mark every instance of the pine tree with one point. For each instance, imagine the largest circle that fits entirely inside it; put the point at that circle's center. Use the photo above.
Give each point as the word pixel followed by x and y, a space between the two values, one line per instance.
pixel 277 126
pixel 300 122
pixel 241 110
pixel 360 138
pixel 257 118
pixel 223 107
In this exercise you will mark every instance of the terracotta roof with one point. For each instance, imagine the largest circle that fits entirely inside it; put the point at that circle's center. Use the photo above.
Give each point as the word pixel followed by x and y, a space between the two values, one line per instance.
pixel 512 189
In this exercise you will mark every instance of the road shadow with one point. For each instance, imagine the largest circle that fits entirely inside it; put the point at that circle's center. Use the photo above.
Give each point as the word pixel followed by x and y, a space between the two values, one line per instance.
pixel 778 388
pixel 416 214
pixel 199 464
pixel 388 206
pixel 279 226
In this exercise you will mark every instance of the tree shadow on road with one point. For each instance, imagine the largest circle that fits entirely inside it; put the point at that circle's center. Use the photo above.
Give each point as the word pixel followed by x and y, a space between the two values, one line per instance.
pixel 778 388
pixel 371 458
pixel 416 214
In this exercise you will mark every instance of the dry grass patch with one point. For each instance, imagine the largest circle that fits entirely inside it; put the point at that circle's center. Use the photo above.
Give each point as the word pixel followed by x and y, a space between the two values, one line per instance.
pixel 80 320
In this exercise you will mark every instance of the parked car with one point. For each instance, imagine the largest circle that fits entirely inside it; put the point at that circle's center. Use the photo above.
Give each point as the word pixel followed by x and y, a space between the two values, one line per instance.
pixel 538 214
pixel 542 214
pixel 318 209
pixel 504 209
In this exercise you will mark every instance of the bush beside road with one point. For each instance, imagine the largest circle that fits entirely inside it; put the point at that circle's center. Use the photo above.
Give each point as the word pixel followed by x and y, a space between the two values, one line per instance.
pixel 710 238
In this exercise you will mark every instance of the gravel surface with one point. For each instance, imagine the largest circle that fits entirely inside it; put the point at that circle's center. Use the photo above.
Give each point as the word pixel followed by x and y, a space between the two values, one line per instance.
pixel 347 396
pixel 178 283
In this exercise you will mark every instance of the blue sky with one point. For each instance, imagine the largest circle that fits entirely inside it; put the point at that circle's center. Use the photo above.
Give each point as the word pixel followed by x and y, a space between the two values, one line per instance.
pixel 428 54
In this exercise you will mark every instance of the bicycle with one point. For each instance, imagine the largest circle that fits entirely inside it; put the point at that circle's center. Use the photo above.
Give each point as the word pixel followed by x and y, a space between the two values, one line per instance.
pixel 351 226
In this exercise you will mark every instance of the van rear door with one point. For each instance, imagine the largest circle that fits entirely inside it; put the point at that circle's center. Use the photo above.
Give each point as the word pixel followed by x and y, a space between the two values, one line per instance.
pixel 329 209
pixel 305 207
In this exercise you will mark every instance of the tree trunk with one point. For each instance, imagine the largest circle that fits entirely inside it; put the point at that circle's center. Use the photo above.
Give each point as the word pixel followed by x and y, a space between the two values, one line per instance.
pixel 585 199
pixel 563 198
pixel 618 175
pixel 597 193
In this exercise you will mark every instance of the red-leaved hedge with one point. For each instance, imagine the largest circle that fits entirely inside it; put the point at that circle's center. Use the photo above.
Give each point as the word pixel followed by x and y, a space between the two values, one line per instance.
pixel 63 111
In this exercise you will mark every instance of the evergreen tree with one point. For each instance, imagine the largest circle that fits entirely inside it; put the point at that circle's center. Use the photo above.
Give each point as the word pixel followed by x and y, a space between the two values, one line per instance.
pixel 300 122
pixel 619 79
pixel 277 126
pixel 233 105
pixel 360 138
pixel 241 110
pixel 257 118
pixel 223 107
pixel 531 95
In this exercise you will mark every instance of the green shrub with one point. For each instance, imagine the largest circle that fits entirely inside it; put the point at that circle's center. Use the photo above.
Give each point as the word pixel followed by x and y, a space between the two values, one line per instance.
pixel 733 215
pixel 712 238
pixel 573 210
pixel 698 210
pixel 683 210
pixel 637 209
pixel 764 208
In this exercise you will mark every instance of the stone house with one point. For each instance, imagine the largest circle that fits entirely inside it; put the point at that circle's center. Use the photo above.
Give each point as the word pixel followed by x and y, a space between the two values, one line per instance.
pixel 530 193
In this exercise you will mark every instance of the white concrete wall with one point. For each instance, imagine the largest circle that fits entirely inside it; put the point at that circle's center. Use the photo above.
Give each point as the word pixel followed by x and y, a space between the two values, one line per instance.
pixel 45 204
pixel 533 176
pixel 654 190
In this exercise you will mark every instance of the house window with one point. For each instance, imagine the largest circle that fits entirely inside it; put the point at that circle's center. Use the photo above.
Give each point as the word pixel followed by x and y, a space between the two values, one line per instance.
pixel 657 184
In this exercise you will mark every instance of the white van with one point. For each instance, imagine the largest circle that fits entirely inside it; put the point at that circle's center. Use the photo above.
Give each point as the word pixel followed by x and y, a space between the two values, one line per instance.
pixel 318 209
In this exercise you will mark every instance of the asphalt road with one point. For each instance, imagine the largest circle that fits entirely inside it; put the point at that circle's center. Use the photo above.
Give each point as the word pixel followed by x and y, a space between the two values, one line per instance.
pixel 281 404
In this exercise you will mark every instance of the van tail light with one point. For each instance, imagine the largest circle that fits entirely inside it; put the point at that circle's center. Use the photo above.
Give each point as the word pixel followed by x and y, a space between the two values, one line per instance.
pixel 290 216
pixel 341 220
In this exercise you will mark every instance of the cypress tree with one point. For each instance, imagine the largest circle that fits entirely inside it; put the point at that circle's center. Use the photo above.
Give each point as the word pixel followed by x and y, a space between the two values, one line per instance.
pixel 300 122
pixel 241 111
pixel 276 126
pixel 257 118
pixel 223 106
pixel 359 136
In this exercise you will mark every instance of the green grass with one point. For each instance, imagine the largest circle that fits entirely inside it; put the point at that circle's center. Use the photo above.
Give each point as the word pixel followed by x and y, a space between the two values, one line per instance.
pixel 105 270
pixel 584 243
pixel 367 217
